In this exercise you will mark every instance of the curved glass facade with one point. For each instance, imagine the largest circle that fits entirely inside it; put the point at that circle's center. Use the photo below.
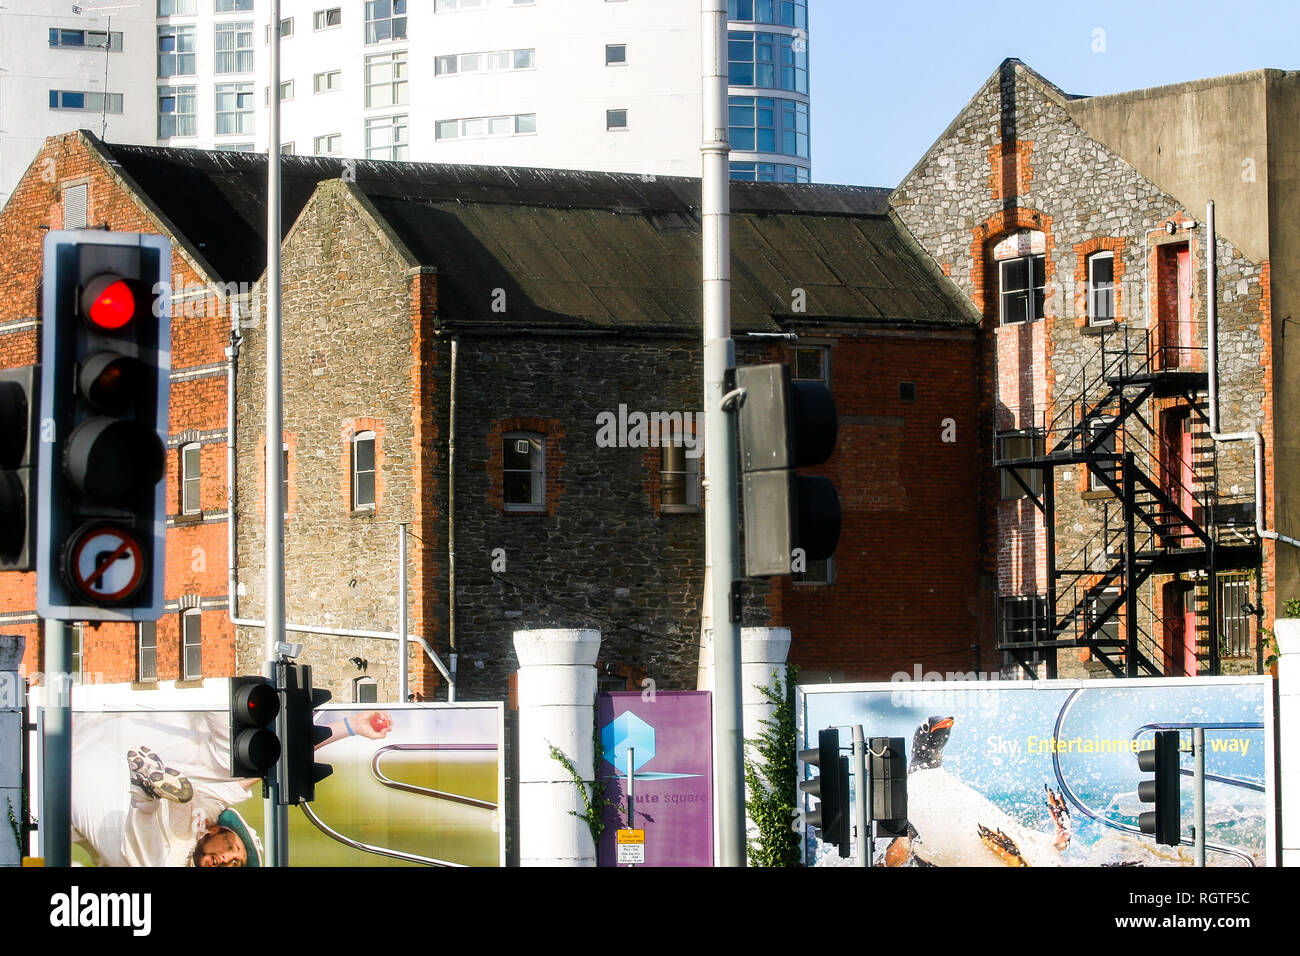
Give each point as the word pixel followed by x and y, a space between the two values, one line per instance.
pixel 787 13
pixel 765 124
pixel 770 173
pixel 773 61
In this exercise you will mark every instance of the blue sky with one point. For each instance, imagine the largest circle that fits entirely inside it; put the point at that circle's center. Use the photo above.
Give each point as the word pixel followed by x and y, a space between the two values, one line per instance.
pixel 887 78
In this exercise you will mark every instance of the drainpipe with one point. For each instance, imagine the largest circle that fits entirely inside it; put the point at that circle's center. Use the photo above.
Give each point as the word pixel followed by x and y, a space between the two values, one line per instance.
pixel 451 522
pixel 232 355
pixel 1212 322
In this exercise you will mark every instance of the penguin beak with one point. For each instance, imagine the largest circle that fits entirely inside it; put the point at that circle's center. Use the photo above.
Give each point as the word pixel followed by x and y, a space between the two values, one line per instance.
pixel 944 724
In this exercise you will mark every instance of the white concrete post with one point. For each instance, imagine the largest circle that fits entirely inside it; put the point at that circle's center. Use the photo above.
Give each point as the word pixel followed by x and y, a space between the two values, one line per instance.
pixel 763 651
pixel 557 697
pixel 12 717
pixel 1287 631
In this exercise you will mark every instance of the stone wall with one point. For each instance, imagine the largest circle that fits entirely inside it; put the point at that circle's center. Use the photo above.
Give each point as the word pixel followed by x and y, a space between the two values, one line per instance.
pixel 971 190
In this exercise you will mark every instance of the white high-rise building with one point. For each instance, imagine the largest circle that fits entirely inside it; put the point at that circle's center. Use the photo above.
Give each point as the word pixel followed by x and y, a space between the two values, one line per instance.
pixel 579 84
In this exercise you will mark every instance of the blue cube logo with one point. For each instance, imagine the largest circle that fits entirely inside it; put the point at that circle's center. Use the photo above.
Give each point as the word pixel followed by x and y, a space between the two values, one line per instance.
pixel 624 732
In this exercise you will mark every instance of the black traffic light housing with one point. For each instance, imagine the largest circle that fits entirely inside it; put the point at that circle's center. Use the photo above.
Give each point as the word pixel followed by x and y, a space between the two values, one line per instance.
pixel 19 422
pixel 831 788
pixel 888 758
pixel 1163 789
pixel 106 362
pixel 301 735
pixel 783 425
pixel 254 746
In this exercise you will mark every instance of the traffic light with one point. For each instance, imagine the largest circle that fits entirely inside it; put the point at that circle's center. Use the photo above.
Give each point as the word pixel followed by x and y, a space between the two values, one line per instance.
pixel 19 404
pixel 831 787
pixel 301 735
pixel 254 747
pixel 784 425
pixel 106 362
pixel 1164 789
pixel 888 758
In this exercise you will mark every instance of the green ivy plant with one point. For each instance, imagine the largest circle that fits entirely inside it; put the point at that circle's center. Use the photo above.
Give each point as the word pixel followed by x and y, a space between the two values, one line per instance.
pixel 593 793
pixel 15 826
pixel 770 780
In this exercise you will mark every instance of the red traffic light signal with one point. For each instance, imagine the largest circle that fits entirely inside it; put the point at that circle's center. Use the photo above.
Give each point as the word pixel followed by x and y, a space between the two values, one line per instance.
pixel 101 512
pixel 254 746
pixel 108 302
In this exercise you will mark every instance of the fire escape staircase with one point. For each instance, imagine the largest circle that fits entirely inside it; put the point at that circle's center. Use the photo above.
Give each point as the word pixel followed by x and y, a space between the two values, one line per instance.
pixel 1148 526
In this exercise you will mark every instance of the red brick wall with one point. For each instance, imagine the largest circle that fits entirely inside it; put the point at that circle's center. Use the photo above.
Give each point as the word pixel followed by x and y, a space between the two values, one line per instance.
pixel 196 553
pixel 909 547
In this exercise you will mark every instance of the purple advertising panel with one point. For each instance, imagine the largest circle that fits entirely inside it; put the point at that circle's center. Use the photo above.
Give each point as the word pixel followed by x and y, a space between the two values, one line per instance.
pixel 669 737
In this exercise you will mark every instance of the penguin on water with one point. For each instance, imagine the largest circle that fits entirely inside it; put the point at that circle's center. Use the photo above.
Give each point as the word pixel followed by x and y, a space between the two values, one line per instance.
pixel 951 824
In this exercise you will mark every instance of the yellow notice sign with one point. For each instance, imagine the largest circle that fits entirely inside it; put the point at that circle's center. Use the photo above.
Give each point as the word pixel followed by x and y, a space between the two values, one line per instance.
pixel 631 846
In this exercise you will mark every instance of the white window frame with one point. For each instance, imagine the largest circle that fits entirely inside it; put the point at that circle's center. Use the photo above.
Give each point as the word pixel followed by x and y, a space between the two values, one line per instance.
pixel 537 471
pixel 611 118
pixel 244 114
pixel 358 472
pixel 187 616
pixel 184 122
pixel 824 361
pixel 92 101
pixel 333 143
pixel 1096 292
pixel 398 145
pixel 181 58
pixel 191 471
pixel 238 58
pixel 368 682
pixel 819 573
pixel 145 675
pixel 395 16
pixel 232 6
pixel 333 81
pixel 480 127
pixel 609 47
pixel 177 8
pixel 328 19
pixel 1036 263
pixel 456 64
pixel 395 87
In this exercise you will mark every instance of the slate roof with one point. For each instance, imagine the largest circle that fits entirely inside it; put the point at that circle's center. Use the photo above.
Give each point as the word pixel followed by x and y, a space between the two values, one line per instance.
pixel 573 248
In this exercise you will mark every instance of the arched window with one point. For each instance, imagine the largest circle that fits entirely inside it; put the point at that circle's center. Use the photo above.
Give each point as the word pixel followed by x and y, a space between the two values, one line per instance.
pixel 190 473
pixel 1022 278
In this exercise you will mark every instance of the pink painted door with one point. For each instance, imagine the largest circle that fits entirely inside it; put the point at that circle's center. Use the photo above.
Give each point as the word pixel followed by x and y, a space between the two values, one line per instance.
pixel 1184 307
pixel 1179 629
pixel 1177 475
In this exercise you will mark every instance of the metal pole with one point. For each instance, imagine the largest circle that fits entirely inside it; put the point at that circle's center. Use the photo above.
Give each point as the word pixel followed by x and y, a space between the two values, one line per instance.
pixel 720 439
pixel 631 786
pixel 1198 785
pixel 451 522
pixel 277 817
pixel 56 748
pixel 403 678
pixel 861 817
pixel 1130 572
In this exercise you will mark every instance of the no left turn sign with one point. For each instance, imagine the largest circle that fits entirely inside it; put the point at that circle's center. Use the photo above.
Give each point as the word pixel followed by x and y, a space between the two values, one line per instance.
pixel 105 564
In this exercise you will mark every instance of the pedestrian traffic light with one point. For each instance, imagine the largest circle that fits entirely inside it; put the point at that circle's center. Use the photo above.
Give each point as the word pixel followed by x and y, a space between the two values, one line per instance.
pixel 831 787
pixel 19 405
pixel 1163 789
pixel 106 361
pixel 301 736
pixel 254 746
pixel 784 425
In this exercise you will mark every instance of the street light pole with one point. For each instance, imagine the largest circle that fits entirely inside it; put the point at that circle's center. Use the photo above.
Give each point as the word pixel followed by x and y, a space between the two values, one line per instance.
pixel 721 509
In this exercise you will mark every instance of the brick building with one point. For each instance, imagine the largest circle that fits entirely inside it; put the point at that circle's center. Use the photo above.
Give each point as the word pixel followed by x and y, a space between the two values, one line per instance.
pixel 1075 225
pixel 539 305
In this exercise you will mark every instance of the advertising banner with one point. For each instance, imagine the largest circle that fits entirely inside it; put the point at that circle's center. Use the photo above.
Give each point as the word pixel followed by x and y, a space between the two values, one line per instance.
pixel 669 737
pixel 414 784
pixel 1045 773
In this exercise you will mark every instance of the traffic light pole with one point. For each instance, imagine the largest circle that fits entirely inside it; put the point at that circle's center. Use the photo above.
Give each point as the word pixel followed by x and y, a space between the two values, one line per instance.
pixel 721 509
pixel 56 748
pixel 862 793
pixel 277 816
pixel 1198 789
